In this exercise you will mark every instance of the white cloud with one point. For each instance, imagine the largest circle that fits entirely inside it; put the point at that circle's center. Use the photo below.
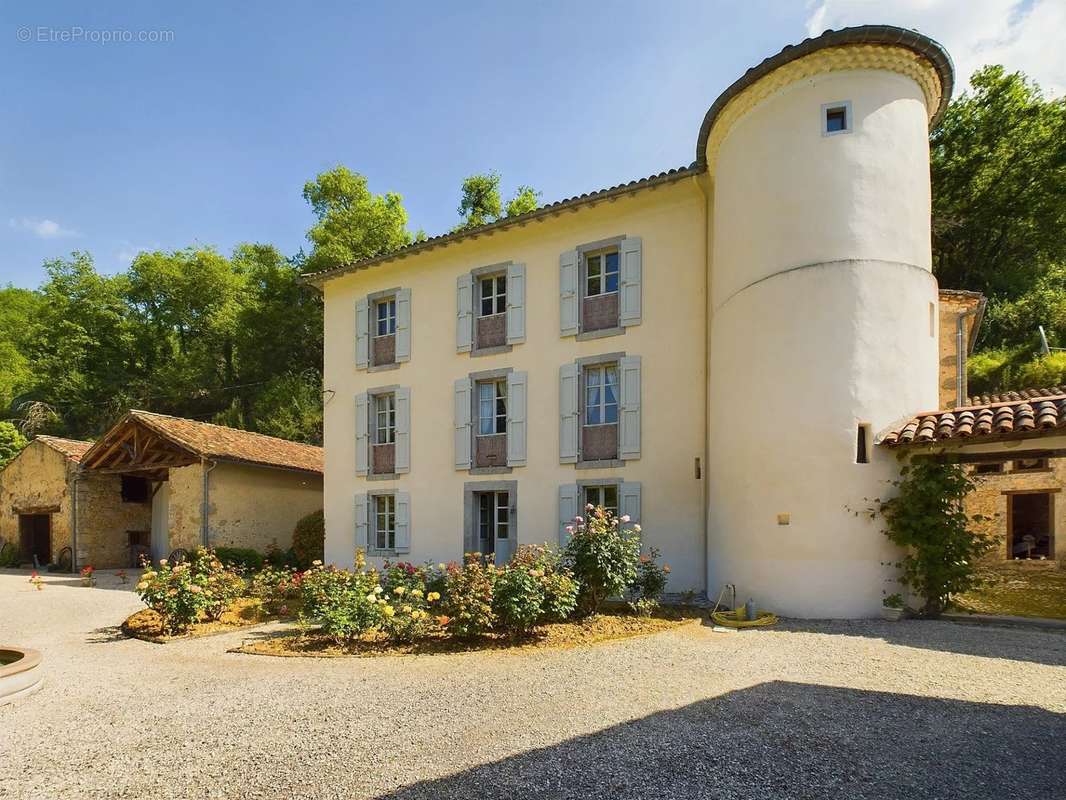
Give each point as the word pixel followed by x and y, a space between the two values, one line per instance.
pixel 42 228
pixel 1023 35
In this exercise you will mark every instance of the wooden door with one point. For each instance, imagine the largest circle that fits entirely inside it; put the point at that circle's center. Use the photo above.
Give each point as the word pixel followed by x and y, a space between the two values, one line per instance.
pixel 35 533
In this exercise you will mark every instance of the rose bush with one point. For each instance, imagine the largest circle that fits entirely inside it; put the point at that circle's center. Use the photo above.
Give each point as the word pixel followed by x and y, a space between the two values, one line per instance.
pixel 603 555
pixel 275 587
pixel 647 587
pixel 467 598
pixel 345 604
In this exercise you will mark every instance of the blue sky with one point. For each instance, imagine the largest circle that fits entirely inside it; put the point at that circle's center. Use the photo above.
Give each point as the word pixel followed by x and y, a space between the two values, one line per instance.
pixel 114 147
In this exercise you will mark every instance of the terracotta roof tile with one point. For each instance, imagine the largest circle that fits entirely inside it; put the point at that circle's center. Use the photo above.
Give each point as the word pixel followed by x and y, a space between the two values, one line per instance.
pixel 229 444
pixel 1027 411
pixel 73 449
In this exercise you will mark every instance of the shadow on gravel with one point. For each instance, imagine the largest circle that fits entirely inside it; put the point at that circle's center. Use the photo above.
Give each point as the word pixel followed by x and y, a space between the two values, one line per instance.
pixel 1036 645
pixel 789 740
pixel 112 633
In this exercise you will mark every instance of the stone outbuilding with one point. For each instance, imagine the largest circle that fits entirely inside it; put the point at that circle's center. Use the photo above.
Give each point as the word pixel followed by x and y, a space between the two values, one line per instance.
pixel 47 503
pixel 207 484
pixel 153 484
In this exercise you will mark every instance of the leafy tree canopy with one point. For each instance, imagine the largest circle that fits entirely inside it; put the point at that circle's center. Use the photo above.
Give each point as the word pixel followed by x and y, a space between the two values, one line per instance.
pixel 481 203
pixel 11 442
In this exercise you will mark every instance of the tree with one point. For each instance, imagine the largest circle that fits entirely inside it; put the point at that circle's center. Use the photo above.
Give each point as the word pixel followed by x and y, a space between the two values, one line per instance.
pixel 11 442
pixel 999 186
pixel 480 203
pixel 18 309
pixel 526 199
pixel 352 222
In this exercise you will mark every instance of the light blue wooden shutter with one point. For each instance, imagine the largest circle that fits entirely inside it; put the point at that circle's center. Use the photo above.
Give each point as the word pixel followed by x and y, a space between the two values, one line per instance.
pixel 568 295
pixel 464 314
pixel 629 407
pixel 362 333
pixel 403 325
pixel 403 430
pixel 516 418
pixel 463 400
pixel 630 283
pixel 568 413
pixel 569 494
pixel 403 522
pixel 516 303
pixel 629 501
pixel 362 529
pixel 362 434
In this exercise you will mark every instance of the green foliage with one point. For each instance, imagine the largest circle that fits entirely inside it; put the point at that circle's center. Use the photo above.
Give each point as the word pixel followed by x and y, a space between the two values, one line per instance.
pixel 1049 370
pixel 276 587
pixel 560 589
pixel 999 186
pixel 517 599
pixel 11 442
pixel 467 601
pixel 480 203
pixel 309 539
pixel 244 558
pixel 927 522
pixel 647 587
pixel 526 199
pixel 352 222
pixel 180 594
pixel 345 604
pixel 603 556
pixel 18 310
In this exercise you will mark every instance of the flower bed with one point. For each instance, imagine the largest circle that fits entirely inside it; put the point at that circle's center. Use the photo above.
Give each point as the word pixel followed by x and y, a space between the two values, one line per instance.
pixel 615 624
pixel 148 624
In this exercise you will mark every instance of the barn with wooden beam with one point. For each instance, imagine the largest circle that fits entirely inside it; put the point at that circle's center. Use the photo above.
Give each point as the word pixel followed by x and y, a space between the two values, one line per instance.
pixel 208 484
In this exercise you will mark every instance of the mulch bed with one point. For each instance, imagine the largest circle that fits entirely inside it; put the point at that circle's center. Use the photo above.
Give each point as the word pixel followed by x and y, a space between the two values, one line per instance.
pixel 610 626
pixel 147 625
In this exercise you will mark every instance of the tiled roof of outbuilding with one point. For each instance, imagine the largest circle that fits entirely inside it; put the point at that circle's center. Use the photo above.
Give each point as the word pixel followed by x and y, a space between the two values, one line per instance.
pixel 73 449
pixel 1034 411
pixel 229 444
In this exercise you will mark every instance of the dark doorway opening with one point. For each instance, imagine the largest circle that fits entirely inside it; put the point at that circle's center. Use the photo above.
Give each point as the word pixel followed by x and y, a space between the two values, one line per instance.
pixel 1031 525
pixel 35 537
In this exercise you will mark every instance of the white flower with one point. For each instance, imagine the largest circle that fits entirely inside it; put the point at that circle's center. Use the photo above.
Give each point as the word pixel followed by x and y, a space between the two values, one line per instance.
pixel 636 528
pixel 579 520
pixel 589 506
pixel 569 528
pixel 625 518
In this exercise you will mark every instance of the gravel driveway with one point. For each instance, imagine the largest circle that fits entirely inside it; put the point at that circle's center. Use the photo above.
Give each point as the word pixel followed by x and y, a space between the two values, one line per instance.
pixel 827 709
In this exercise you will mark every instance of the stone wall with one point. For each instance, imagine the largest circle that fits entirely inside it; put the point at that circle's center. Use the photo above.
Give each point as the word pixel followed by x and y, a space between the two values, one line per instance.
pixel 105 521
pixel 989 500
pixel 952 304
pixel 36 482
pixel 258 507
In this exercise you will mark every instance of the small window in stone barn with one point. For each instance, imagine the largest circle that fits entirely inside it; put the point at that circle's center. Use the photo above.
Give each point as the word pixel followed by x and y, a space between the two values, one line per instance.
pixel 989 469
pixel 862 444
pixel 134 489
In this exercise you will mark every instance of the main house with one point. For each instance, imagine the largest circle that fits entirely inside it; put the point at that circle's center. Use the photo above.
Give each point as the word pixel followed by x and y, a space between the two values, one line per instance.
pixel 712 350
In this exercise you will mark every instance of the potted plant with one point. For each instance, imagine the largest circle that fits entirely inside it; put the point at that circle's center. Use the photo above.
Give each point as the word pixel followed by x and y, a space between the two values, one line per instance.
pixel 892 607
pixel 88 578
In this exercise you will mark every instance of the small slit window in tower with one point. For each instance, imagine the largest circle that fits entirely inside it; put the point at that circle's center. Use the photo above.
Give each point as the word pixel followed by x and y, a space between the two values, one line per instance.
pixel 836 118
pixel 862 444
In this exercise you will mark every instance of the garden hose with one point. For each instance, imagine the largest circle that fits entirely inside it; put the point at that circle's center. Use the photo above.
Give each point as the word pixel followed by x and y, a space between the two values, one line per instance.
pixel 738 619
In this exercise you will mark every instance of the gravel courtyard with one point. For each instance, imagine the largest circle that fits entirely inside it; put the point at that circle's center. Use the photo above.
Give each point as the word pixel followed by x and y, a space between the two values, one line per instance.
pixel 828 709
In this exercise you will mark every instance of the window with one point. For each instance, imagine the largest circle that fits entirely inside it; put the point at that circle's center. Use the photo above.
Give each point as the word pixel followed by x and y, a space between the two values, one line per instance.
pixel 836 118
pixel 601 395
pixel 135 489
pixel 385 419
pixel 385 522
pixel 601 273
pixel 605 497
pixel 492 407
pixel 385 317
pixel 988 469
pixel 862 450
pixel 494 520
pixel 493 295
pixel 1030 464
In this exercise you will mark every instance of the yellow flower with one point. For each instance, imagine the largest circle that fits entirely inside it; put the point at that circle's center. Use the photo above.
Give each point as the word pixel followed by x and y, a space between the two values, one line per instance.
pixel 378 590
pixel 371 598
pixel 399 590
pixel 406 609
pixel 389 610
pixel 416 593
pixel 433 596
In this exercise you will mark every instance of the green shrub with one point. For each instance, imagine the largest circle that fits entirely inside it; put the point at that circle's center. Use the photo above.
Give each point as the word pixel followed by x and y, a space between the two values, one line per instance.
pixel 175 593
pixel 602 555
pixel 560 587
pixel 221 585
pixel 275 587
pixel 928 522
pixel 242 557
pixel 467 600
pixel 647 587
pixel 345 604
pixel 276 557
pixel 518 599
pixel 309 539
